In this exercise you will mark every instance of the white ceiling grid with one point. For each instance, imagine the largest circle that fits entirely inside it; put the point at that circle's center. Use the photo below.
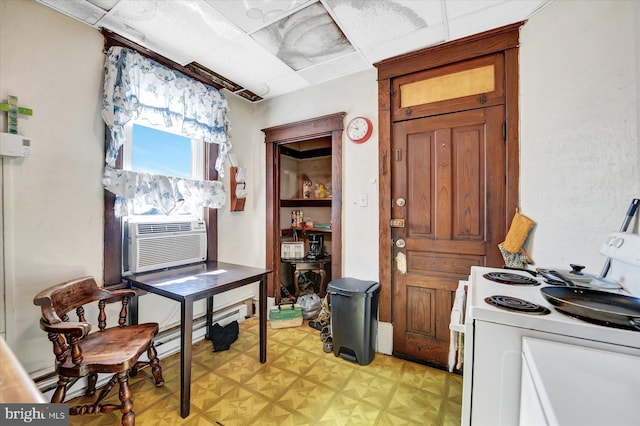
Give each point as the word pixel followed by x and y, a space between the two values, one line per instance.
pixel 272 47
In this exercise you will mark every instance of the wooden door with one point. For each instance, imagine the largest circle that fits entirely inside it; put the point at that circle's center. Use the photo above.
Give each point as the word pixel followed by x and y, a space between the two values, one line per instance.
pixel 448 175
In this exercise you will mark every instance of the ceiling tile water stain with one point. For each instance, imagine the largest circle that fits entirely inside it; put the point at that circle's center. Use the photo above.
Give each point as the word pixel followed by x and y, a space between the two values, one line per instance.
pixel 305 38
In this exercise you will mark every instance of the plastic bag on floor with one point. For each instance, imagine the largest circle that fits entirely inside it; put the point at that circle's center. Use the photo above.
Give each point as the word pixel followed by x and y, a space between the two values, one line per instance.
pixel 223 337
pixel 310 304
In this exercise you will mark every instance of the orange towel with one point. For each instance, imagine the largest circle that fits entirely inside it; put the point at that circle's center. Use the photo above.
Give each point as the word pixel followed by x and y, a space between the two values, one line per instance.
pixel 518 232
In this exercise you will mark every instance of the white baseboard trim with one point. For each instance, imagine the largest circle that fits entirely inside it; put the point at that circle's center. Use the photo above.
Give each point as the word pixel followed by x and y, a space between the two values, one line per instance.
pixel 385 338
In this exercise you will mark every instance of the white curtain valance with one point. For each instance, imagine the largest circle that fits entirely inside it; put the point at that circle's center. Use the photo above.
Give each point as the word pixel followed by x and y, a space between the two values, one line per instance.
pixel 138 87
pixel 138 192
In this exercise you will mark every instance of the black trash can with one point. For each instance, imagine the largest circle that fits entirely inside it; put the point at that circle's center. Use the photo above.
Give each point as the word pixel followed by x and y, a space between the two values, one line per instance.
pixel 354 318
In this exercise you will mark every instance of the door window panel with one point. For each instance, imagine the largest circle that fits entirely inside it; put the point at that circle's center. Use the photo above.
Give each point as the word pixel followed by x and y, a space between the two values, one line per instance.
pixel 450 86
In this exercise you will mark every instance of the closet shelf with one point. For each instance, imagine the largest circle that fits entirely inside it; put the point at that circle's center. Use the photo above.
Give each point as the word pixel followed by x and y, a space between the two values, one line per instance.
pixel 306 202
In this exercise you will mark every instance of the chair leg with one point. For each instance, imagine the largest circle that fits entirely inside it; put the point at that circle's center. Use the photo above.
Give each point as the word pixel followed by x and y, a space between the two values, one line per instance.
pixel 61 390
pixel 156 369
pixel 92 379
pixel 128 416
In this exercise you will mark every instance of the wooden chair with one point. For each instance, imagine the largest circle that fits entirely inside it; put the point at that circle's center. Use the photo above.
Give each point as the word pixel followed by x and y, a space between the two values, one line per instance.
pixel 113 350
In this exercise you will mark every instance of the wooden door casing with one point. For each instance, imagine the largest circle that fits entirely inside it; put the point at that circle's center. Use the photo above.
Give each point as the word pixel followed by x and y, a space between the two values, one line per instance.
pixel 504 41
pixel 325 126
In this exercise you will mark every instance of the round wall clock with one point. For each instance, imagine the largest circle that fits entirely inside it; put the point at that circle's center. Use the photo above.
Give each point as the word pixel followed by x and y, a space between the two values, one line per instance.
pixel 359 129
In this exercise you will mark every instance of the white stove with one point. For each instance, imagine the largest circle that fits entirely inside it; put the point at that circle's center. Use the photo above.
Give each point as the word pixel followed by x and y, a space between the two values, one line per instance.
pixel 508 355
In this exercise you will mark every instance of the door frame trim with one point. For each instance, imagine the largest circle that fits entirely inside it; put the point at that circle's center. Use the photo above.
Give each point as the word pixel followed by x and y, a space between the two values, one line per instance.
pixel 332 126
pixel 505 40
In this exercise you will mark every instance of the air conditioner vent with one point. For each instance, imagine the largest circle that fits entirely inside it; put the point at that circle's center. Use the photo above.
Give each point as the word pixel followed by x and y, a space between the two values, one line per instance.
pixel 156 228
pixel 162 251
pixel 156 244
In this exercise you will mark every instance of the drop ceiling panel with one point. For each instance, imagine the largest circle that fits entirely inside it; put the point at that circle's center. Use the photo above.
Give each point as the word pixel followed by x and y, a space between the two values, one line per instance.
pixel 336 68
pixel 251 15
pixel 410 42
pixel 177 30
pixel 78 9
pixel 456 9
pixel 369 23
pixel 285 84
pixel 305 38
pixel 104 4
pixel 249 64
pixel 188 25
pixel 495 16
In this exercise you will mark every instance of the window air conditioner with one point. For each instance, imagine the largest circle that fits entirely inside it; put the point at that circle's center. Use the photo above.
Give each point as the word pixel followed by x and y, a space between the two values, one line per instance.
pixel 149 245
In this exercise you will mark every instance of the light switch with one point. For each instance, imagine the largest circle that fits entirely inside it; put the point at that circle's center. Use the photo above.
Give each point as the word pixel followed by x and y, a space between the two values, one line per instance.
pixel 362 199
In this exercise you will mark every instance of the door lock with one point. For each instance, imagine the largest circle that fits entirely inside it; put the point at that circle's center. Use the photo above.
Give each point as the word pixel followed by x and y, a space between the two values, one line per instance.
pixel 401 202
pixel 397 223
pixel 400 243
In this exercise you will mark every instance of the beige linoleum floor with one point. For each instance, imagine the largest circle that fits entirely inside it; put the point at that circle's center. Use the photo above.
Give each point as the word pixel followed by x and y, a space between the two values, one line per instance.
pixel 299 385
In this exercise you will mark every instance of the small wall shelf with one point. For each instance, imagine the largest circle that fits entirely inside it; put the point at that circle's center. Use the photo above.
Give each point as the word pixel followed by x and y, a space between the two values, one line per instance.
pixel 235 204
pixel 306 202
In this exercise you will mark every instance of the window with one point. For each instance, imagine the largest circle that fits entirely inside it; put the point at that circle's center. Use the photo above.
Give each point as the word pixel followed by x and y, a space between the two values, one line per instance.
pixel 162 151
pixel 151 80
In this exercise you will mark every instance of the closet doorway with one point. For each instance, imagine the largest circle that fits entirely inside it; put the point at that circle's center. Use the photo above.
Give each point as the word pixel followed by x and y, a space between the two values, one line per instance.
pixel 317 144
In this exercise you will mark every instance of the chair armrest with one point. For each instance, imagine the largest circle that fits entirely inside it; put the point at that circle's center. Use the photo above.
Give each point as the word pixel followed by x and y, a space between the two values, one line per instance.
pixel 75 329
pixel 117 295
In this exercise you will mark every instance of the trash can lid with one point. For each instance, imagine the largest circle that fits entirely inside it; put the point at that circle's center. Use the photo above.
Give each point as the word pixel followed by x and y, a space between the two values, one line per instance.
pixel 353 285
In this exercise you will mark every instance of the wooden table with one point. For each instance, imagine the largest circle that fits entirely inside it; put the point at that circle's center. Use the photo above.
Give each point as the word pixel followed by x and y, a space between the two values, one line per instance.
pixel 15 384
pixel 187 284
pixel 303 265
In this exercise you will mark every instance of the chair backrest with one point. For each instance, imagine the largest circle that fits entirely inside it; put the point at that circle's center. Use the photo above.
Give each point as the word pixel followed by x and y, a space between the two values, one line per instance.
pixel 58 301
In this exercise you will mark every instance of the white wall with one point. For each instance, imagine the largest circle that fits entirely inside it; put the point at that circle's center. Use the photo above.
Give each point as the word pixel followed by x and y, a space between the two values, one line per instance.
pixel 579 127
pixel 53 208
pixel 241 234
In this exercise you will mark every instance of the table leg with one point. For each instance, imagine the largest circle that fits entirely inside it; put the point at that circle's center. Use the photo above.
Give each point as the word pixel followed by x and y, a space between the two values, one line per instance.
pixel 262 304
pixel 186 341
pixel 133 310
pixel 209 333
pixel 296 277
pixel 323 282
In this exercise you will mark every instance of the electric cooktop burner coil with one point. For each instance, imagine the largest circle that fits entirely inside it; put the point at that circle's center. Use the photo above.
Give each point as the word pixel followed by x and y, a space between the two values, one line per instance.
pixel 510 303
pixel 510 278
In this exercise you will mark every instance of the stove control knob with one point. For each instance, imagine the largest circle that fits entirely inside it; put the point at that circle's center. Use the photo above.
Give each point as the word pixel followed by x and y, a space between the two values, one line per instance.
pixel 618 242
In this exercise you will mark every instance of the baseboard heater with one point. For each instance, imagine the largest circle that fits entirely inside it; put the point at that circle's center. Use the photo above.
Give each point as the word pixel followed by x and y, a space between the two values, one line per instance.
pixel 167 343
